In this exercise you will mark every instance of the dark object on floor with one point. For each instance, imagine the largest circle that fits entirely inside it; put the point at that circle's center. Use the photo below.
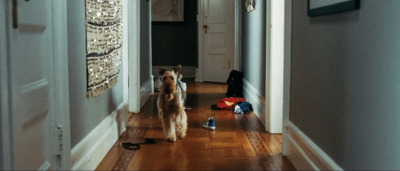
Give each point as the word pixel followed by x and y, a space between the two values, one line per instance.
pixel 210 124
pixel 243 107
pixel 149 141
pixel 215 107
pixel 136 146
pixel 235 84
pixel 130 146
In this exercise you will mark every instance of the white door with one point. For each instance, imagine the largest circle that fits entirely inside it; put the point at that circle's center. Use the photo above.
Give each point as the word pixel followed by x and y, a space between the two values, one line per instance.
pixel 31 84
pixel 217 36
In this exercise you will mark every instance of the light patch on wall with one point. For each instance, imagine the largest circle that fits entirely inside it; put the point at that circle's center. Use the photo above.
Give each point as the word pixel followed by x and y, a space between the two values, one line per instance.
pixel 250 5
pixel 103 45
pixel 167 10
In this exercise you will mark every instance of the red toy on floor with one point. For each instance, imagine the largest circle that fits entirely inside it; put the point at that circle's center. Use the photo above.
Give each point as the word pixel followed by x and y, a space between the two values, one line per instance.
pixel 229 102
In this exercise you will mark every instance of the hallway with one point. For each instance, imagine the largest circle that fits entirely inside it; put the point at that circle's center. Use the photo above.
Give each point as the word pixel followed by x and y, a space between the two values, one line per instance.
pixel 238 143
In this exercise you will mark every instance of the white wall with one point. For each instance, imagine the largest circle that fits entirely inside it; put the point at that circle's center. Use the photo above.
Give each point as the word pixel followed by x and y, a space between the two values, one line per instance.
pixel 85 113
pixel 345 83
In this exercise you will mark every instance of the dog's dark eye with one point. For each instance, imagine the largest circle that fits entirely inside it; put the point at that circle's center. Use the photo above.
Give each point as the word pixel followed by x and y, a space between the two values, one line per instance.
pixel 165 78
pixel 172 78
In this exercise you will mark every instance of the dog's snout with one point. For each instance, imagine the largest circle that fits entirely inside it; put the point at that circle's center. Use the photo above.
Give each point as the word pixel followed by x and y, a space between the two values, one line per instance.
pixel 168 89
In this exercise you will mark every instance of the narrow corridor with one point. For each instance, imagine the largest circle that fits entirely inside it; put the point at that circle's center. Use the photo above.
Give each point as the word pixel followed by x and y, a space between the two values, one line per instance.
pixel 238 143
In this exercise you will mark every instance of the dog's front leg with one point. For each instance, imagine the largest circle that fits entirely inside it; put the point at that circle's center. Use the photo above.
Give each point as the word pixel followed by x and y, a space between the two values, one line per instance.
pixel 181 123
pixel 159 107
pixel 160 113
pixel 169 128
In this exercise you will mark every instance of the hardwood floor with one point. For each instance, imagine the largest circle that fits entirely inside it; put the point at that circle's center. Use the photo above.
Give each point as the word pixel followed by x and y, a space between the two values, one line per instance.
pixel 238 143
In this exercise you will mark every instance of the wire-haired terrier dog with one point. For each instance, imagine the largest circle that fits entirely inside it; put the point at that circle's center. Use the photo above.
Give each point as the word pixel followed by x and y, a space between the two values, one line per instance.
pixel 170 106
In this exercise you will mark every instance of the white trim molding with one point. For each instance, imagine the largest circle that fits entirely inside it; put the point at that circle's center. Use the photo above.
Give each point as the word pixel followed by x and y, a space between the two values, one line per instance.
pixel 186 71
pixel 134 55
pixel 146 90
pixel 238 35
pixel 305 154
pixel 88 153
pixel 125 49
pixel 256 100
pixel 197 77
pixel 200 23
pixel 287 70
pixel 61 98
pixel 5 143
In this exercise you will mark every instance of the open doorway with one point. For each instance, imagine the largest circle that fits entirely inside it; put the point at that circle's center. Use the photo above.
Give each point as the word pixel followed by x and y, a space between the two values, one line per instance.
pixel 182 42
pixel 174 40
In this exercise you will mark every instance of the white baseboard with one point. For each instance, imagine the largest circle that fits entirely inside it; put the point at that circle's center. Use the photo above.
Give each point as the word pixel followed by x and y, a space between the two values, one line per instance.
pixel 186 71
pixel 257 101
pixel 305 154
pixel 197 77
pixel 146 90
pixel 88 153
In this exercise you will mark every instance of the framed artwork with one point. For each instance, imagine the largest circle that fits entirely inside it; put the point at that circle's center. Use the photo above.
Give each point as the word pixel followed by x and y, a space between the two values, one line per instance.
pixel 250 5
pixel 324 7
pixel 167 10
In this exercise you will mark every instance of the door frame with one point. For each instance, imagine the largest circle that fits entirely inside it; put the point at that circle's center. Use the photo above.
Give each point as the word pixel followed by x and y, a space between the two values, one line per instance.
pixel 5 144
pixel 134 56
pixel 278 50
pixel 237 34
pixel 60 79
pixel 287 72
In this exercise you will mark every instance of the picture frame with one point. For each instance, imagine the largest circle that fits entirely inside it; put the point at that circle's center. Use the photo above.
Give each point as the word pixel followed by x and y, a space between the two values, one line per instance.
pixel 167 10
pixel 250 5
pixel 325 7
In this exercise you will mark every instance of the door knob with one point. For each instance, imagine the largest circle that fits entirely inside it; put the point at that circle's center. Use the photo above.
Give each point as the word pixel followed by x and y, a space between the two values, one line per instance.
pixel 205 28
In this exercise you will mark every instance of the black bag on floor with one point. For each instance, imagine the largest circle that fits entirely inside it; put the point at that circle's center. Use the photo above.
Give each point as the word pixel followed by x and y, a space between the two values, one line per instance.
pixel 235 84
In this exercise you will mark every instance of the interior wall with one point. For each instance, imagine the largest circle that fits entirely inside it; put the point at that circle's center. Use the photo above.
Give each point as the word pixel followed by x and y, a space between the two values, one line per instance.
pixel 145 41
pixel 3 87
pixel 1 143
pixel 253 46
pixel 345 83
pixel 176 42
pixel 1 151
pixel 85 113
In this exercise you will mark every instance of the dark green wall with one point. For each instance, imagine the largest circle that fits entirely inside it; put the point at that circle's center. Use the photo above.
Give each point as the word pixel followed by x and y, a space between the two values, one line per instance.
pixel 176 42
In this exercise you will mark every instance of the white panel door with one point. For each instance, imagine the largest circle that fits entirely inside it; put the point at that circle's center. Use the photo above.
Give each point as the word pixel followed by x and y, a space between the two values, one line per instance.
pixel 218 39
pixel 31 84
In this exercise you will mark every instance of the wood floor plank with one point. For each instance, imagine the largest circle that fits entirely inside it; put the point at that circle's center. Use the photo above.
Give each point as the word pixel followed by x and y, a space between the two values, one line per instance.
pixel 239 141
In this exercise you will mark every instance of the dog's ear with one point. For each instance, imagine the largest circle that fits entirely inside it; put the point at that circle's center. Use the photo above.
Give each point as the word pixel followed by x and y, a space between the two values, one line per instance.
pixel 162 71
pixel 177 68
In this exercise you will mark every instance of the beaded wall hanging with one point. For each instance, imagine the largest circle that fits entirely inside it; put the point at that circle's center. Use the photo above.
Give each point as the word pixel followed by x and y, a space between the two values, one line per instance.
pixel 103 44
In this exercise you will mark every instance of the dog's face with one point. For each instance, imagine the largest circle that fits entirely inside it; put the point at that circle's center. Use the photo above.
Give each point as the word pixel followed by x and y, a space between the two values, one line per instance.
pixel 169 79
